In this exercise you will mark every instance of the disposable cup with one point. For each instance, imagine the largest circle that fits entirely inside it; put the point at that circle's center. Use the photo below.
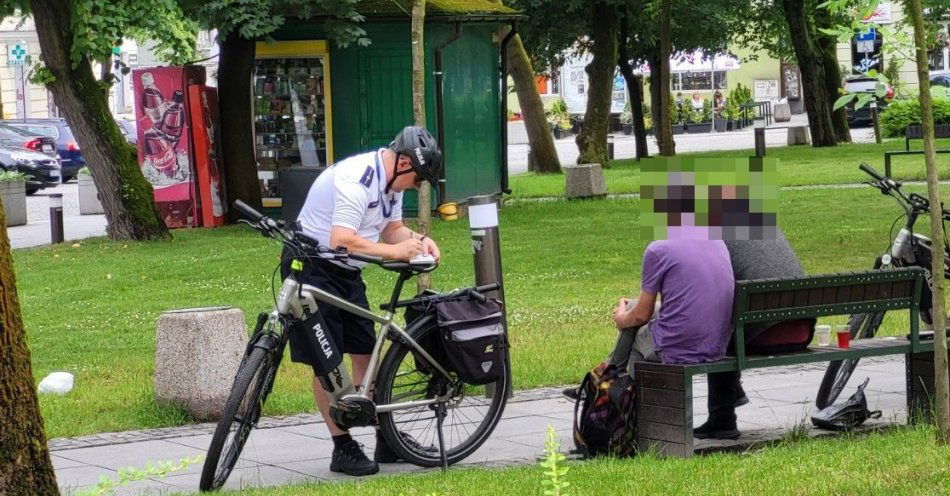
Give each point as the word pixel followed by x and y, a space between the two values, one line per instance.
pixel 823 332
pixel 844 336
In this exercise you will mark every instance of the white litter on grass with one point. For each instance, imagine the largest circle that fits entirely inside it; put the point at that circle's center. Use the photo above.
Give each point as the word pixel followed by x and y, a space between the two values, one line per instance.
pixel 57 383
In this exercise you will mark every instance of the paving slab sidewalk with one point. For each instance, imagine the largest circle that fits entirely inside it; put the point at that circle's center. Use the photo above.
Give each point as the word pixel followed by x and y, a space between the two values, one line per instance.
pixel 291 449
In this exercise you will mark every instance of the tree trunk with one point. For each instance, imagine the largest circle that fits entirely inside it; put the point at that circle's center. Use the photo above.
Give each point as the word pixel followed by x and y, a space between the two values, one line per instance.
pixel 828 52
pixel 656 97
pixel 419 113
pixel 540 140
pixel 634 90
pixel 664 125
pixel 592 140
pixel 811 65
pixel 235 68
pixel 125 194
pixel 105 70
pixel 25 466
pixel 941 379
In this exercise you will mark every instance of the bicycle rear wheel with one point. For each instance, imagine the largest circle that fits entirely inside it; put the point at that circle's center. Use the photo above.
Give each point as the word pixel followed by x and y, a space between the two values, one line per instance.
pixel 863 326
pixel 470 418
pixel 241 413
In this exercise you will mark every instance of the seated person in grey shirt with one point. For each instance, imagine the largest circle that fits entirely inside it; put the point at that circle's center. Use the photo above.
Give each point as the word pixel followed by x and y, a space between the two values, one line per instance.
pixel 754 259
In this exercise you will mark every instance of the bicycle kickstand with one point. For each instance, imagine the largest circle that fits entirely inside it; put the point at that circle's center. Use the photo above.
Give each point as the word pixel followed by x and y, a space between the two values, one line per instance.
pixel 440 418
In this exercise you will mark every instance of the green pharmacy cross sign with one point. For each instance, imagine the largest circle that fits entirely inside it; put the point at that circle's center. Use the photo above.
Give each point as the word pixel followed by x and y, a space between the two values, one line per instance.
pixel 17 54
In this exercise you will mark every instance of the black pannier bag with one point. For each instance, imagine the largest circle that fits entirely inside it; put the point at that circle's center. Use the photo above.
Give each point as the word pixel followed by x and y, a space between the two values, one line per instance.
pixel 473 338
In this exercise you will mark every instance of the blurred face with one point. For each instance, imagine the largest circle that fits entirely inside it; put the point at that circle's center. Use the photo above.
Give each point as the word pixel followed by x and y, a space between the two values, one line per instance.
pixel 408 180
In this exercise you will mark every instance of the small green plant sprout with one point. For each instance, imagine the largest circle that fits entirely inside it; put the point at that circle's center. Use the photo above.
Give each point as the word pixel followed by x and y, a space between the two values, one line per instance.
pixel 131 474
pixel 553 465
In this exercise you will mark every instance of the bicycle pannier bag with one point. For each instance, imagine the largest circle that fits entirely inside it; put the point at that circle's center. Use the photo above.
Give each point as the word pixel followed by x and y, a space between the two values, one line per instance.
pixel 473 338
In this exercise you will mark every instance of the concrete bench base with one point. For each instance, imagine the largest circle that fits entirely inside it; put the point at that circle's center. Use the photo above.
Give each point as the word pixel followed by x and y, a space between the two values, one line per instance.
pixel 584 181
pixel 798 135
pixel 783 113
pixel 197 353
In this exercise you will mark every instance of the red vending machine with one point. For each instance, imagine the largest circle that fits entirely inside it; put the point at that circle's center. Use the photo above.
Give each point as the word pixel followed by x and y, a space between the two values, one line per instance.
pixel 165 140
pixel 203 103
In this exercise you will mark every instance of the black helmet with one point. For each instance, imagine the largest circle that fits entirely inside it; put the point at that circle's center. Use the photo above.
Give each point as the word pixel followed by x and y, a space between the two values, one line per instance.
pixel 420 146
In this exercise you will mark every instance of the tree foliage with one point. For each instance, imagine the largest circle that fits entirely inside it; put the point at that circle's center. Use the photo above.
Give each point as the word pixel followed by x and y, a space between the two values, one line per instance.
pixel 258 19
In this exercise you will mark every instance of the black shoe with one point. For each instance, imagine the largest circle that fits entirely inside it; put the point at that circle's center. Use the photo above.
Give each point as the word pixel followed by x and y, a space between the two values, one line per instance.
pixel 710 431
pixel 351 460
pixel 572 393
pixel 741 398
pixel 385 454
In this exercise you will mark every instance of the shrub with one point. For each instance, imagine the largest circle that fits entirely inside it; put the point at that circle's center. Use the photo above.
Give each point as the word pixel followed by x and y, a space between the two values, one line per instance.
pixel 707 110
pixel 557 115
pixel 901 113
pixel 626 117
pixel 11 176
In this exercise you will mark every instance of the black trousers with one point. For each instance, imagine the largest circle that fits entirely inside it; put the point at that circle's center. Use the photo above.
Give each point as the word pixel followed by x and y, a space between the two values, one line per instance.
pixel 724 390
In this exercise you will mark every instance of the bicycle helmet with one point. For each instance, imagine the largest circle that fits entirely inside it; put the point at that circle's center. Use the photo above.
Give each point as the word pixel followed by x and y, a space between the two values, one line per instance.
pixel 420 146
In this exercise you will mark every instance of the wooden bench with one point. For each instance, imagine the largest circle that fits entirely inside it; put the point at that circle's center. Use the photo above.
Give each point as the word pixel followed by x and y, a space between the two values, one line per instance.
pixel 916 131
pixel 664 400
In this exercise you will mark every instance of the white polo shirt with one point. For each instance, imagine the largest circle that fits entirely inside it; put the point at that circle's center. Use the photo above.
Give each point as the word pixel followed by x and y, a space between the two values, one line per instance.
pixel 351 194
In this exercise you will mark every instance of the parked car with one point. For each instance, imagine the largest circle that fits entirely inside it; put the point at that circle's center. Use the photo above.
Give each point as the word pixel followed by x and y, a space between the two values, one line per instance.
pixel 864 84
pixel 129 130
pixel 42 170
pixel 14 136
pixel 940 80
pixel 70 155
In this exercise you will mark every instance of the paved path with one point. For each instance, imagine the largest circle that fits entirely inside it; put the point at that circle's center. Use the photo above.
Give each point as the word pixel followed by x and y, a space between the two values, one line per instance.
pixel 36 232
pixel 293 449
pixel 624 146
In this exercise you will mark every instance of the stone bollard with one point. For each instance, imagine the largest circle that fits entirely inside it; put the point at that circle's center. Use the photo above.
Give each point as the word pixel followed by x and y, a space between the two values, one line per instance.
pixel 197 353
pixel 89 203
pixel 584 181
pixel 783 112
pixel 798 135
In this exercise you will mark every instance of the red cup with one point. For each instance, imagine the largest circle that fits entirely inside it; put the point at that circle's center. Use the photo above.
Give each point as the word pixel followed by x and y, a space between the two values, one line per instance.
pixel 844 338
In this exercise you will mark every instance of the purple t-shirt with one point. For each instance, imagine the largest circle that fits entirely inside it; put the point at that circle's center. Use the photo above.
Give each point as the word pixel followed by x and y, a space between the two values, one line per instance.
pixel 694 279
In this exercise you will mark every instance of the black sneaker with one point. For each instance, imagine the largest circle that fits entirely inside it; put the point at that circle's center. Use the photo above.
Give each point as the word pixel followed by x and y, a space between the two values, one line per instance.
pixel 741 398
pixel 385 454
pixel 710 431
pixel 351 460
pixel 572 393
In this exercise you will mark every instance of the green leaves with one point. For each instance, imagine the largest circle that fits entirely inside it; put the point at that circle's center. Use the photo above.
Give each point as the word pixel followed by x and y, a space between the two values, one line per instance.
pixel 554 470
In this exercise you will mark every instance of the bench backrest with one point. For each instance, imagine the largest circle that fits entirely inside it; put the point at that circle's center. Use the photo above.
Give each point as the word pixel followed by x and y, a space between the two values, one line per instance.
pixel 916 131
pixel 769 300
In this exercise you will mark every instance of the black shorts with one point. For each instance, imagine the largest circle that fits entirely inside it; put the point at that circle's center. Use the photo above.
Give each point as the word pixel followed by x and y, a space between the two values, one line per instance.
pixel 350 333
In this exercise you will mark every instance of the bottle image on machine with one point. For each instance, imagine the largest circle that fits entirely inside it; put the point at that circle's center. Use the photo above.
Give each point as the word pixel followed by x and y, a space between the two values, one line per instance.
pixel 153 103
pixel 173 119
pixel 160 152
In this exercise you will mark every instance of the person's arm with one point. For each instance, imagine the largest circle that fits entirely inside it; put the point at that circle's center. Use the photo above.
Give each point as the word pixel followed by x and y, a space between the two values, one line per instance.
pixel 349 207
pixel 629 316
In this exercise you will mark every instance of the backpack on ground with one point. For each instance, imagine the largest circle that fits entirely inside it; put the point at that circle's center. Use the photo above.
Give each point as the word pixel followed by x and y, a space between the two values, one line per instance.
pixel 604 415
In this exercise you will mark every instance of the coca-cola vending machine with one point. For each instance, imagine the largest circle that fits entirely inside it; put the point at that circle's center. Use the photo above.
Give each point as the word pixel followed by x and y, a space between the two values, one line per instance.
pixel 165 140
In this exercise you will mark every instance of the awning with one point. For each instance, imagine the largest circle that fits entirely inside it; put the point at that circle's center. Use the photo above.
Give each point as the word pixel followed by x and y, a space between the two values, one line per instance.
pixel 698 62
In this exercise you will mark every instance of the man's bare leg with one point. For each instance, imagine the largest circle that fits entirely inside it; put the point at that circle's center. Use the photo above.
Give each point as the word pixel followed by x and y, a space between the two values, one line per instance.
pixel 360 363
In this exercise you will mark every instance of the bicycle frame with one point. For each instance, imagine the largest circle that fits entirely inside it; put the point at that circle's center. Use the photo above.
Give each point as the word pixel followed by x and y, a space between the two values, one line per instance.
pixel 300 301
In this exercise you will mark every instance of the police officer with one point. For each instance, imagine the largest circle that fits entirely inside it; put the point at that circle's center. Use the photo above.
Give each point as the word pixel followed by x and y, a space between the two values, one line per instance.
pixel 357 204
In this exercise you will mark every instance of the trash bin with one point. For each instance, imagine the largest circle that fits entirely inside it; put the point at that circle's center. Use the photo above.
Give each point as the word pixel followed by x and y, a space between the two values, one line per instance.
pixel 295 183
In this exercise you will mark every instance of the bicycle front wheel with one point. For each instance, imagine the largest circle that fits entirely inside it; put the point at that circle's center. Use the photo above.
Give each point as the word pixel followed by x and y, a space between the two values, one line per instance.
pixel 471 414
pixel 241 413
pixel 863 326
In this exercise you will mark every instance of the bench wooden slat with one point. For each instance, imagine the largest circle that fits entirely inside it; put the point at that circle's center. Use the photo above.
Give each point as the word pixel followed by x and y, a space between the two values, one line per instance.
pixel 660 380
pixel 664 448
pixel 664 415
pixel 665 398
pixel 660 432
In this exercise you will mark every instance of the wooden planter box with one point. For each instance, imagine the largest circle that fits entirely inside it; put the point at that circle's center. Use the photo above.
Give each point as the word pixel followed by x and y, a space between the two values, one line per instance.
pixel 679 128
pixel 704 127
pixel 721 125
pixel 89 203
pixel 13 197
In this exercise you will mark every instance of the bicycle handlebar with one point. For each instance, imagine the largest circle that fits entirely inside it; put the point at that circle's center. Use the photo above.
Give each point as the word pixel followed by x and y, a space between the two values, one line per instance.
pixel 247 211
pixel 871 172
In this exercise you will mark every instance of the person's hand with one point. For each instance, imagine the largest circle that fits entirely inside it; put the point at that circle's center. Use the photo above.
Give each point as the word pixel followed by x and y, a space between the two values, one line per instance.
pixel 430 248
pixel 407 249
pixel 620 313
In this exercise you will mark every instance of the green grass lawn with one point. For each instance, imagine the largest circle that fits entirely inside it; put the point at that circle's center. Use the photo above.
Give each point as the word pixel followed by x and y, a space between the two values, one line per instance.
pixel 798 165
pixel 92 310
pixel 899 462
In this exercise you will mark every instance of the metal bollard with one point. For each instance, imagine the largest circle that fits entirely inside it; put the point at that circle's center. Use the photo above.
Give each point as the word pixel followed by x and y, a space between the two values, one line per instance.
pixel 56 217
pixel 877 127
pixel 759 133
pixel 610 148
pixel 486 252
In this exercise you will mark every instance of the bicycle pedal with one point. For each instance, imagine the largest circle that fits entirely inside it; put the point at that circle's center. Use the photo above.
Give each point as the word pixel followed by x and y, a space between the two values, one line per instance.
pixel 354 411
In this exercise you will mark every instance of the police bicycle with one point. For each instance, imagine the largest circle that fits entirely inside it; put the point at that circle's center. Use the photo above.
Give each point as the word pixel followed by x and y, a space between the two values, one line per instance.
pixel 908 249
pixel 417 402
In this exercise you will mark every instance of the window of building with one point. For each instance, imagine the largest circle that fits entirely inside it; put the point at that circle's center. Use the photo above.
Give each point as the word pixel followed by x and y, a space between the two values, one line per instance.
pixel 698 81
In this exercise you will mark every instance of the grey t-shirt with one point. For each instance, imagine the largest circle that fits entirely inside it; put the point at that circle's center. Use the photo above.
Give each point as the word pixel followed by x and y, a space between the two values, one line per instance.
pixel 761 259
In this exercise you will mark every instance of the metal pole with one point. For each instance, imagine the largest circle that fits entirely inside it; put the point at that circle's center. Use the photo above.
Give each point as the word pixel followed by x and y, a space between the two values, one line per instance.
pixel 56 217
pixel 759 133
pixel 877 128
pixel 486 252
pixel 610 148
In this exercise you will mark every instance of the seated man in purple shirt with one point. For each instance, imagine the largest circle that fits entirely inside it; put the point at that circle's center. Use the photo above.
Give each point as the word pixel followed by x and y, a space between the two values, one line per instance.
pixel 695 280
